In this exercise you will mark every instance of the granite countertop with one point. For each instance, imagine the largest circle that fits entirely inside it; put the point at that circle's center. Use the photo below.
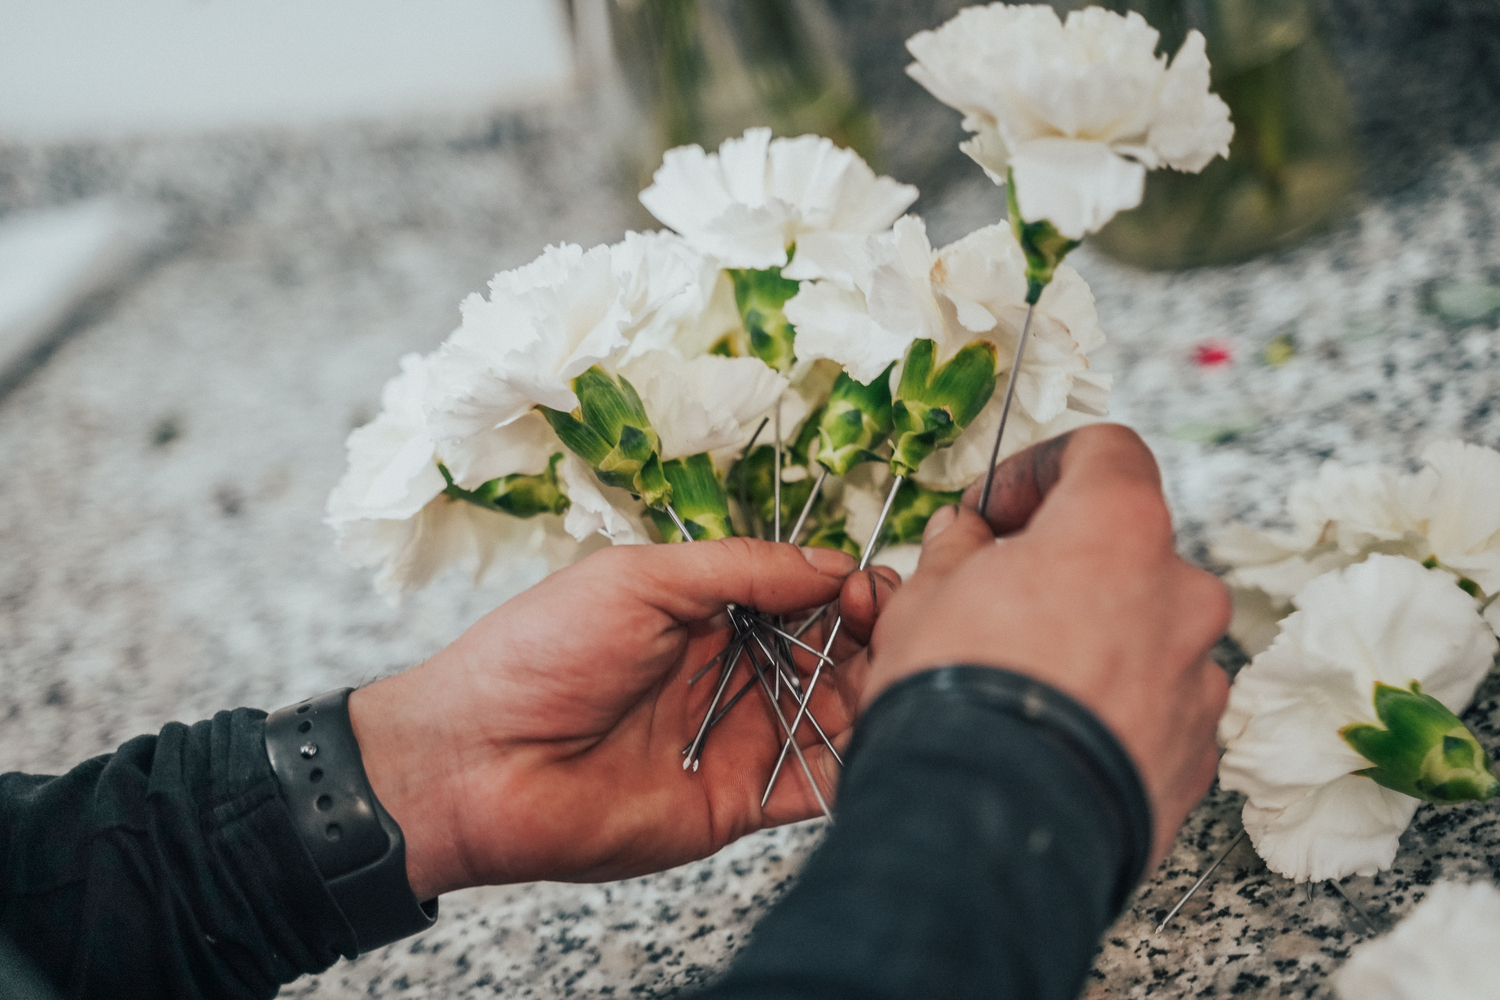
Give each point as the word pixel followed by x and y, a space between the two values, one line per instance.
pixel 167 465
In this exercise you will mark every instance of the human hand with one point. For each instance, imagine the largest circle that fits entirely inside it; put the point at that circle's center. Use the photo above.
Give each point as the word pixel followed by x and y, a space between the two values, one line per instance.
pixel 1085 592
pixel 545 742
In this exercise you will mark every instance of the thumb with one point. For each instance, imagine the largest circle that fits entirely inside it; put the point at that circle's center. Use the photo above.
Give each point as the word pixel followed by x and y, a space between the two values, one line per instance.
pixel 953 535
pixel 695 580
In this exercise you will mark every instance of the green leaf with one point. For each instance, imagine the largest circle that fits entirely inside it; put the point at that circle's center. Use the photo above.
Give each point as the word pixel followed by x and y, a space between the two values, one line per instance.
pixel 698 498
pixel 934 405
pixel 760 296
pixel 1423 751
pixel 1041 243
pixel 856 421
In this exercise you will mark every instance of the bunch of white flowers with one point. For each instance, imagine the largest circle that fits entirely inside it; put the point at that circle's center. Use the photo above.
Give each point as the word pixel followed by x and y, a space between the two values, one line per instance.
pixel 1443 948
pixel 1345 720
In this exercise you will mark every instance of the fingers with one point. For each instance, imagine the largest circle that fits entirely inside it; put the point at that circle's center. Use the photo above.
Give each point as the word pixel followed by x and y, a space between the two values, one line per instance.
pixel 861 600
pixel 695 580
pixel 953 535
pixel 1091 462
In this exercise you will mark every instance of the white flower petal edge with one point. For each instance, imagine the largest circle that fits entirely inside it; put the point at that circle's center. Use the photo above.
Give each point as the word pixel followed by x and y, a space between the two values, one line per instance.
pixel 597 509
pixel 747 203
pixel 1443 948
pixel 704 403
pixel 1387 619
pixel 1461 490
pixel 1080 109
pixel 391 474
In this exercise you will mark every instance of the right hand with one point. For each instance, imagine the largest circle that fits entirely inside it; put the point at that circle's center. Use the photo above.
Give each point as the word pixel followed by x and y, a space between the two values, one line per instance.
pixel 1085 592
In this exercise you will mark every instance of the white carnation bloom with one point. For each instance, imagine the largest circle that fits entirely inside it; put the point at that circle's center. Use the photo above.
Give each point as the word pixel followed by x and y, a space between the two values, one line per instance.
pixel 1078 111
pixel 546 323
pixel 757 196
pixel 1384 620
pixel 873 296
pixel 1443 948
pixel 1445 513
pixel 390 511
pixel 704 403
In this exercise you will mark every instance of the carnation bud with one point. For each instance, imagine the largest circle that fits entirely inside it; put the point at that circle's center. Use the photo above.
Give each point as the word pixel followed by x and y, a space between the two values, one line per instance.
pixel 856 421
pixel 833 536
pixel 697 497
pixel 753 478
pixel 1424 750
pixel 611 432
pixel 760 296
pixel 519 495
pixel 1040 241
pixel 934 404
pixel 910 511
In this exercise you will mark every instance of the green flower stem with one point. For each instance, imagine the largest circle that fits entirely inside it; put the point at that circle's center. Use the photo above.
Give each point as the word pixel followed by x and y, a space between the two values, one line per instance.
pixel 760 296
pixel 856 421
pixel 1040 241
pixel 1424 750
pixel 934 404
pixel 698 498
pixel 611 432
pixel 519 495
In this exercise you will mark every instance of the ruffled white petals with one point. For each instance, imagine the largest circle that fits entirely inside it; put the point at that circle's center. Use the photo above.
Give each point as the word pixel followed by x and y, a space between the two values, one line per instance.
pixel 1387 620
pixel 1079 110
pixel 597 509
pixel 1461 487
pixel 391 473
pixel 522 446
pixel 873 297
pixel 704 403
pixel 1076 186
pixel 1443 948
pixel 754 198
pixel 664 284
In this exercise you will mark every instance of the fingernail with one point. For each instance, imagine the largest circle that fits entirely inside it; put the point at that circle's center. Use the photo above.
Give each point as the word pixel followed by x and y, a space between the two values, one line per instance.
pixel 938 522
pixel 830 562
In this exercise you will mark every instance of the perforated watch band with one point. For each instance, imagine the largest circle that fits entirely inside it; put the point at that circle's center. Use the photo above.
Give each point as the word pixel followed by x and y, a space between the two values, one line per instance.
pixel 355 843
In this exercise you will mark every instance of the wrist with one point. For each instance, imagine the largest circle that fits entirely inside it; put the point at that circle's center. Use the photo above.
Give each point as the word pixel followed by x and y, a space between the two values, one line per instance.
pixel 408 771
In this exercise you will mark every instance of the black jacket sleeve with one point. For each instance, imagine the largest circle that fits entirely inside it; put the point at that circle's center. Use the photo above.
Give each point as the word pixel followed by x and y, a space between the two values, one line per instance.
pixel 170 868
pixel 988 830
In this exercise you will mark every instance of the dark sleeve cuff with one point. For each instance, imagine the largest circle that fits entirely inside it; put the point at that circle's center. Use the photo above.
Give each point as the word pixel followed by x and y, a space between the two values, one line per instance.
pixel 988 829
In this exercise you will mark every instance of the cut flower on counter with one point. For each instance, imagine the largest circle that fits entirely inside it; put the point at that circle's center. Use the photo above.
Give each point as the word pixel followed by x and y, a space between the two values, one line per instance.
pixel 1379 656
pixel 1445 948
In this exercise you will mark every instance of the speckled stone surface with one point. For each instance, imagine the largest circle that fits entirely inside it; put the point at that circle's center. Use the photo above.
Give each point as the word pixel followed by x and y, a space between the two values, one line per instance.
pixel 166 467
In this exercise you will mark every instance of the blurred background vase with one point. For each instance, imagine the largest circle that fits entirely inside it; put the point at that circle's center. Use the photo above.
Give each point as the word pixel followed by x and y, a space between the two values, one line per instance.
pixel 701 71
pixel 1293 165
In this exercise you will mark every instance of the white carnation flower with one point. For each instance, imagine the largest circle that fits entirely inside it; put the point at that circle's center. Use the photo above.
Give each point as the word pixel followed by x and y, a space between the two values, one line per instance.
pixel 1444 948
pixel 597 509
pixel 1384 620
pixel 757 196
pixel 1077 111
pixel 873 296
pixel 546 323
pixel 1445 514
pixel 389 510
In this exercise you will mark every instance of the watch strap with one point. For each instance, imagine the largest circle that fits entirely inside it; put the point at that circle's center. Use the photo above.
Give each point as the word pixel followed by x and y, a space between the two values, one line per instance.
pixel 356 844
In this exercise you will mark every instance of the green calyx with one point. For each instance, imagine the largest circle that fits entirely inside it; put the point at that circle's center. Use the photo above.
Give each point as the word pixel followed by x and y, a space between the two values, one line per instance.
pixel 1424 750
pixel 934 404
pixel 610 431
pixel 760 296
pixel 833 536
pixel 519 495
pixel 910 511
pixel 1040 241
pixel 698 498
pixel 1464 583
pixel 856 421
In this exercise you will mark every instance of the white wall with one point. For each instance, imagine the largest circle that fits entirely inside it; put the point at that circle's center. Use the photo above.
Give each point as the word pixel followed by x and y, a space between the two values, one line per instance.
pixel 84 68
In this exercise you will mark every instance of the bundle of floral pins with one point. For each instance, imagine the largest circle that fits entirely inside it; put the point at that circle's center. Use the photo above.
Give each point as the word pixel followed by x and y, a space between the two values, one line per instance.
pixel 791 359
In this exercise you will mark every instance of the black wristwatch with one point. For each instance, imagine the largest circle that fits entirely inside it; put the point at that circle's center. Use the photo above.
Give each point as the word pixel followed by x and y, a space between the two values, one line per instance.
pixel 356 844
